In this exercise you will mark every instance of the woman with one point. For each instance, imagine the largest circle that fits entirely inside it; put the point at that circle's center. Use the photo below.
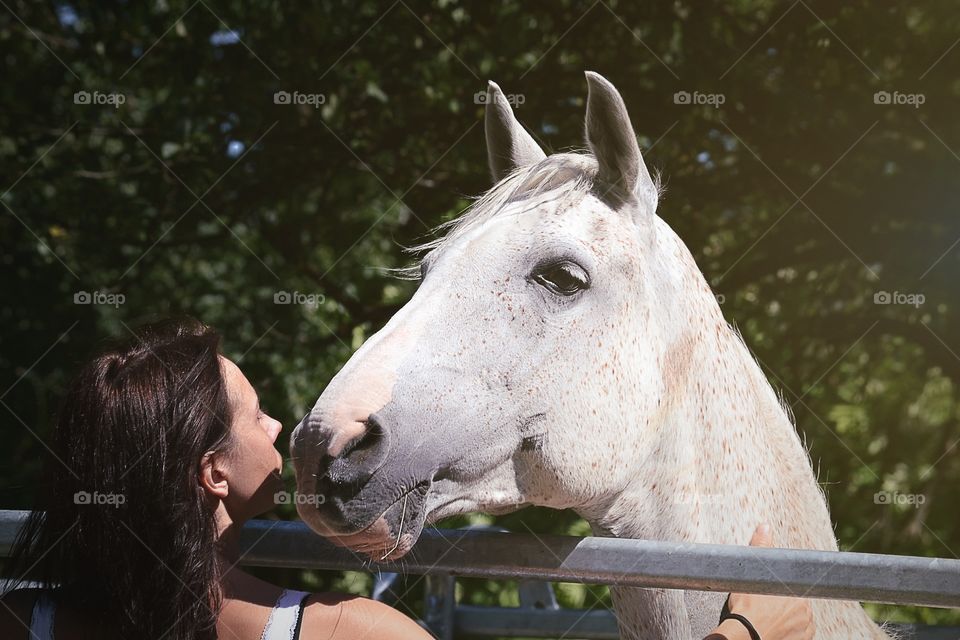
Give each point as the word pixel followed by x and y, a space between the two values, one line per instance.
pixel 161 453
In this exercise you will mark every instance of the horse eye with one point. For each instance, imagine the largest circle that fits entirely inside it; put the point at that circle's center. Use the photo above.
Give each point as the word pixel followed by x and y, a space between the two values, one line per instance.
pixel 562 278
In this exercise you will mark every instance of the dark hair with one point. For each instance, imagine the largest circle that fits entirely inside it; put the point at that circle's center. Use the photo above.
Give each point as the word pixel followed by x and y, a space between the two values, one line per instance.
pixel 126 530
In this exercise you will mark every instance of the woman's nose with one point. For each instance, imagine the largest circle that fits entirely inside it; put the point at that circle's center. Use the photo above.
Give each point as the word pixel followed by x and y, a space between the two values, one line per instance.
pixel 273 429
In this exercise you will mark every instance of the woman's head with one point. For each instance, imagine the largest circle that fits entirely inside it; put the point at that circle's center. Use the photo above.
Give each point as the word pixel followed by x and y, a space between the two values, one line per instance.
pixel 246 476
pixel 158 445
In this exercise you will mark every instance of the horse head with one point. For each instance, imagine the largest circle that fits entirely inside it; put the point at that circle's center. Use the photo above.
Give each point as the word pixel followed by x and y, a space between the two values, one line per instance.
pixel 533 361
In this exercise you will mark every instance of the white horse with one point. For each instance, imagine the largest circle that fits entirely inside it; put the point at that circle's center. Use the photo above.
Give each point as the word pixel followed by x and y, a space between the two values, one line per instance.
pixel 564 350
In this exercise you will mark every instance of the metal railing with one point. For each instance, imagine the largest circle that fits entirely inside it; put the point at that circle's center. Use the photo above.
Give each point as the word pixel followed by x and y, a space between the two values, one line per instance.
pixel 443 555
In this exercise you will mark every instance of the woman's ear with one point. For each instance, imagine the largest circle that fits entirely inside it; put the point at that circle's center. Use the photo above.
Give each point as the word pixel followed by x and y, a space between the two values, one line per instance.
pixel 212 477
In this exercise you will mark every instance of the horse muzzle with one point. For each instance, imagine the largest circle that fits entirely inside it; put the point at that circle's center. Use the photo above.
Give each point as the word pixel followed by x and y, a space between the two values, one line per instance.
pixel 350 492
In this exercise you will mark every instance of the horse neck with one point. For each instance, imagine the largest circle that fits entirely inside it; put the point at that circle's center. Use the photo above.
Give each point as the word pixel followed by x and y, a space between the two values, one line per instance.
pixel 733 458
pixel 727 455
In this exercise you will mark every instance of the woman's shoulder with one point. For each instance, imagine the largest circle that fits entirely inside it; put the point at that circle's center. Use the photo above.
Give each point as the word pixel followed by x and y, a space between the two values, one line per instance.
pixel 339 616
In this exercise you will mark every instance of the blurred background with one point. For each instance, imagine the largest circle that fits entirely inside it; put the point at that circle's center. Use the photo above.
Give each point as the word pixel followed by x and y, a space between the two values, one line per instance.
pixel 258 165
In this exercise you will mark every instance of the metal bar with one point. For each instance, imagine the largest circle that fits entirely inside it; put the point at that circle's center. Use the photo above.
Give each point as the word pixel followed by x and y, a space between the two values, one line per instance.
pixel 523 622
pixel 933 582
pixel 440 605
pixel 10 524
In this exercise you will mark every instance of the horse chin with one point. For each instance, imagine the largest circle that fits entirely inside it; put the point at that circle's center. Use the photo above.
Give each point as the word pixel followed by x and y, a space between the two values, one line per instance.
pixel 378 542
pixel 394 532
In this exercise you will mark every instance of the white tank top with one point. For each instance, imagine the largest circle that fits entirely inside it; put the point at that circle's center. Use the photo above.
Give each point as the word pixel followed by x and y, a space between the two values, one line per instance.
pixel 286 616
pixel 283 624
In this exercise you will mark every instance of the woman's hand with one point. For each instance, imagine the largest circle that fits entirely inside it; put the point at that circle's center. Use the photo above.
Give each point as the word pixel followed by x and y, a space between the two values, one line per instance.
pixel 774 617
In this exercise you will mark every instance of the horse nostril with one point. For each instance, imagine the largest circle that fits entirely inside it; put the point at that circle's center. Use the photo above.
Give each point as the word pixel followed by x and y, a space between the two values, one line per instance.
pixel 341 478
pixel 359 450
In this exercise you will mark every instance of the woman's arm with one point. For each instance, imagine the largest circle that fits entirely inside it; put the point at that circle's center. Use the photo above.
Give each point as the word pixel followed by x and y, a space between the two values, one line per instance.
pixel 772 616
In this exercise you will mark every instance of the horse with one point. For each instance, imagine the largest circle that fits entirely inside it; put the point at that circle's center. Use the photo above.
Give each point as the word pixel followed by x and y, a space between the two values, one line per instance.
pixel 563 349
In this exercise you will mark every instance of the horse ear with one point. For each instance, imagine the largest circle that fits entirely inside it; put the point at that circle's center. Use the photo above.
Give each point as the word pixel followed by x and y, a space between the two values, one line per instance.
pixel 611 138
pixel 509 146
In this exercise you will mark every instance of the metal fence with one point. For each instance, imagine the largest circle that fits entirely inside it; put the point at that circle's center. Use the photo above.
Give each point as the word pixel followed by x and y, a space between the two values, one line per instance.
pixel 444 555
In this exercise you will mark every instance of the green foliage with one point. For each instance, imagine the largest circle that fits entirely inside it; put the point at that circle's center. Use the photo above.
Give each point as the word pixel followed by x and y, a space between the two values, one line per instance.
pixel 200 195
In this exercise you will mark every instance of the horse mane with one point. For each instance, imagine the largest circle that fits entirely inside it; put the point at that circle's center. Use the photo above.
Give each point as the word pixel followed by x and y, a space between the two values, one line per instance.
pixel 561 177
